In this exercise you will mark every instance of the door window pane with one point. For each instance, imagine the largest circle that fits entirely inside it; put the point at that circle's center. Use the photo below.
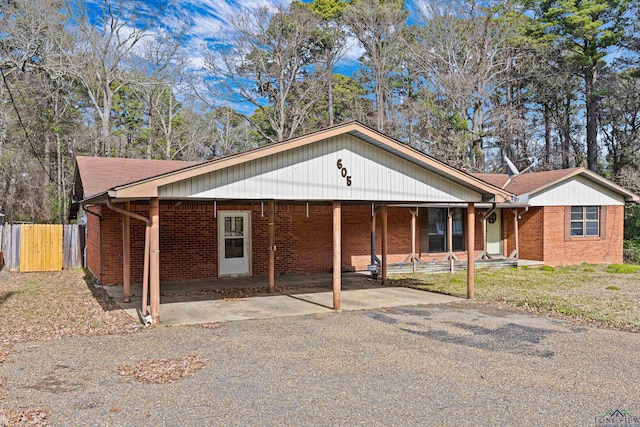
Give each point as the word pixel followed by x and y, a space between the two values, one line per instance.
pixel 239 229
pixel 234 248
pixel 234 226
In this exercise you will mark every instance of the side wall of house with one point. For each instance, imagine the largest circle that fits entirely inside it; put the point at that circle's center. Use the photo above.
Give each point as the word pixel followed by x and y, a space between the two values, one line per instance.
pixel 558 251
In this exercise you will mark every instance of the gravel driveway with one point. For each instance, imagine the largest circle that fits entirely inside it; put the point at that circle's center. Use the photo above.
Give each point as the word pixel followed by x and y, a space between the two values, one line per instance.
pixel 460 364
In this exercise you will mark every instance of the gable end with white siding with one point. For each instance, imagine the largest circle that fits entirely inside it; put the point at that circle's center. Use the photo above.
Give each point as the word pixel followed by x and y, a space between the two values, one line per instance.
pixel 577 190
pixel 342 167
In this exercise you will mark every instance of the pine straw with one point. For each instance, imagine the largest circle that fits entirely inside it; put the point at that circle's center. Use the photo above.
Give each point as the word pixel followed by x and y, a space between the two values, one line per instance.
pixel 44 306
pixel 23 417
pixel 163 371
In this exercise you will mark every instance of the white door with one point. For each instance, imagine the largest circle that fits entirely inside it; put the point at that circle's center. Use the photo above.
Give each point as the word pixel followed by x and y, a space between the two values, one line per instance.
pixel 234 238
pixel 494 234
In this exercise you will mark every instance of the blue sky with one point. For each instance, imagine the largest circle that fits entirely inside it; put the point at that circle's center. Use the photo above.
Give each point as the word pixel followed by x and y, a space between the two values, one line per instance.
pixel 210 21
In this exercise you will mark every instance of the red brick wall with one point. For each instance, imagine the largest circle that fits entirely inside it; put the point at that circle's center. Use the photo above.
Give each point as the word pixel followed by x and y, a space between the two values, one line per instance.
pixel 530 233
pixel 93 241
pixel 189 240
pixel 557 251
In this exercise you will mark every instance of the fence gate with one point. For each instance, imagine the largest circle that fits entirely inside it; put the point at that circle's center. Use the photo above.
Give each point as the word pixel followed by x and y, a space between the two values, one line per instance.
pixel 41 247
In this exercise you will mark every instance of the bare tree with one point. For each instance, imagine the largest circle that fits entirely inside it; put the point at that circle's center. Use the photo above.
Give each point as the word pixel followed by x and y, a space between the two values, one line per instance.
pixel 378 26
pixel 269 66
pixel 619 119
pixel 465 54
pixel 99 55
pixel 161 72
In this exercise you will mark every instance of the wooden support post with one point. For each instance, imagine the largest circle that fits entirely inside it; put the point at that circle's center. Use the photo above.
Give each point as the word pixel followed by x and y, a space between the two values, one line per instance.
pixel 485 254
pixel 145 272
pixel 516 253
pixel 450 232
pixel 413 239
pixel 383 212
pixel 413 256
pixel 154 260
pixel 471 234
pixel 126 254
pixel 271 208
pixel 413 235
pixel 450 255
pixel 337 253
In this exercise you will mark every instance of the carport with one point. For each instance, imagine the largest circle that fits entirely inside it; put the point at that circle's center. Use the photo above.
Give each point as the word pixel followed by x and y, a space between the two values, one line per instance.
pixel 271 210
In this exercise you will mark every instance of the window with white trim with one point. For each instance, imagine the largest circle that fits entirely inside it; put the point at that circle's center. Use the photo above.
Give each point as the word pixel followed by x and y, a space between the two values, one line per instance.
pixel 585 221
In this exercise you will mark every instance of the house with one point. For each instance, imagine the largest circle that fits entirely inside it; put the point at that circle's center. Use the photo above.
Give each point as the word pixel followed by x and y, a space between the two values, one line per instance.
pixel 341 199
pixel 574 216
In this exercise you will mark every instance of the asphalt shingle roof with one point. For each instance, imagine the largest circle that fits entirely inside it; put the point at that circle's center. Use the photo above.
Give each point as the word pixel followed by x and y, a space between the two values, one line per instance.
pixel 99 174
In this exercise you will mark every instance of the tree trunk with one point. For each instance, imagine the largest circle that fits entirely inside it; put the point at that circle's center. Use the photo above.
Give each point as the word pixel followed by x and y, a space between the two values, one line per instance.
pixel 591 112
pixel 106 124
pixel 477 155
pixel 46 204
pixel 547 135
pixel 379 108
pixel 61 204
pixel 3 123
pixel 566 132
pixel 330 99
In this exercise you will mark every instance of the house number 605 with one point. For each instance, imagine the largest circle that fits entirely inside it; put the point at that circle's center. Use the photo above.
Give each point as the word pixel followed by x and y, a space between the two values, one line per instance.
pixel 343 172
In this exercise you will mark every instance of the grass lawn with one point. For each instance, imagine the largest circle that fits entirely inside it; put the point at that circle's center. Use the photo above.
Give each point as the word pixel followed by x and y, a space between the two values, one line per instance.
pixel 609 295
pixel 37 306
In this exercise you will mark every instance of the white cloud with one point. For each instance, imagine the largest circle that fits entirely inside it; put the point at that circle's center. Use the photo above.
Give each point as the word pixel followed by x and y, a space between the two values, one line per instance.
pixel 211 22
pixel 354 50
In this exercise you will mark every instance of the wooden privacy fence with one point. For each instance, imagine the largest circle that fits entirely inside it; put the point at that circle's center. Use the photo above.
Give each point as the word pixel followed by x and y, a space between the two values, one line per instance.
pixel 42 247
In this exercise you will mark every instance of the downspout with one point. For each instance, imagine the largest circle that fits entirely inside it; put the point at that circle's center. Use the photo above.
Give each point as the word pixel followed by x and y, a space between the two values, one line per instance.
pixel 100 242
pixel 145 275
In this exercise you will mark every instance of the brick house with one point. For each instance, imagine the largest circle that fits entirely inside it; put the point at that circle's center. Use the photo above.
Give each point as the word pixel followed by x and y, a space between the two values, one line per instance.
pixel 340 199
pixel 574 216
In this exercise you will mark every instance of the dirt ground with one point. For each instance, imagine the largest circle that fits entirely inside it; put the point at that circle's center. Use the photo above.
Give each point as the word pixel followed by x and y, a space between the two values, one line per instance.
pixel 463 364
pixel 70 356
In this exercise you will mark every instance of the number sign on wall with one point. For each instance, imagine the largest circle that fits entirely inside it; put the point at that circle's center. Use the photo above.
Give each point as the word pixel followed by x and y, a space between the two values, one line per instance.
pixel 344 173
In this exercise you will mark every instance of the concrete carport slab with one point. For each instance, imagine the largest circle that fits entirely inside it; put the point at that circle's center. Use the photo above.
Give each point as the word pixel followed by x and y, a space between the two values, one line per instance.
pixel 188 312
